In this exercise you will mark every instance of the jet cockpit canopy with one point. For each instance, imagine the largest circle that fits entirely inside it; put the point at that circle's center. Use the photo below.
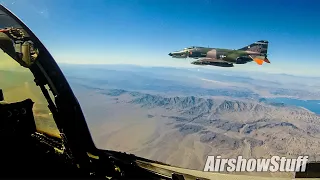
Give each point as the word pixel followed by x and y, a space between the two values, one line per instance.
pixel 193 47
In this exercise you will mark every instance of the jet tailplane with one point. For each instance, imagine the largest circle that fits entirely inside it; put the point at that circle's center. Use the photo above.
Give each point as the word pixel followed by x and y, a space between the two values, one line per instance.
pixel 260 60
pixel 258 47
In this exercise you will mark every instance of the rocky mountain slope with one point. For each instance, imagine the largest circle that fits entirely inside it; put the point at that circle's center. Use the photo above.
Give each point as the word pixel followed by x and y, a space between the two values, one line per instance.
pixel 184 130
pixel 234 124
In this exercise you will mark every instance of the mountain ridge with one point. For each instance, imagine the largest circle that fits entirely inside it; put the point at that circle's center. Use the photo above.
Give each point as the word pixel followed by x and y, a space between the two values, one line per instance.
pixel 147 99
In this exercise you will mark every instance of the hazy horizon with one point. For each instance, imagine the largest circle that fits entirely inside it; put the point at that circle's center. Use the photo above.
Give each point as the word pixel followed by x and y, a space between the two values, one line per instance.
pixel 190 66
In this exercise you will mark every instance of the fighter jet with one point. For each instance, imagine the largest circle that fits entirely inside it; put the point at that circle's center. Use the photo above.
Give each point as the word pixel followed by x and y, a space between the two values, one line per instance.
pixel 256 51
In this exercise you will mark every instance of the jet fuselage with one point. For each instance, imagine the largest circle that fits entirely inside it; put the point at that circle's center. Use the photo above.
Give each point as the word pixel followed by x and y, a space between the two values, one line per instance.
pixel 214 54
pixel 256 51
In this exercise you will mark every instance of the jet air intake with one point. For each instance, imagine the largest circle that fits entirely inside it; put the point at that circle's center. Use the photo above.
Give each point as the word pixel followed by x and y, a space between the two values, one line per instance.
pixel 196 54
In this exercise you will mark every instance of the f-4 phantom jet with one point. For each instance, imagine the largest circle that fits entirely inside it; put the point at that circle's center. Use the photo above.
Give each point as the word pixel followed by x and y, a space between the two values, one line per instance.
pixel 225 57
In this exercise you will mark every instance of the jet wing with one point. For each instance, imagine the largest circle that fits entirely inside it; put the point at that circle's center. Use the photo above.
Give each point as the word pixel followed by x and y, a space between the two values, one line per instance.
pixel 258 59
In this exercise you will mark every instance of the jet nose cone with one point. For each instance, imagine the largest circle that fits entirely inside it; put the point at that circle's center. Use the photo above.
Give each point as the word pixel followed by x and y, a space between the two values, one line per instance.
pixel 170 54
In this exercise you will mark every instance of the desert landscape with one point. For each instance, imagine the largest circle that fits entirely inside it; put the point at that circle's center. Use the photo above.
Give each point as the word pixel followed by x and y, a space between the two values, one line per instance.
pixel 148 116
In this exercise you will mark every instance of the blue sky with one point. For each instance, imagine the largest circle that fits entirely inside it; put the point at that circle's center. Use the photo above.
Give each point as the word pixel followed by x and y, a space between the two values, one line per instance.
pixel 145 31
